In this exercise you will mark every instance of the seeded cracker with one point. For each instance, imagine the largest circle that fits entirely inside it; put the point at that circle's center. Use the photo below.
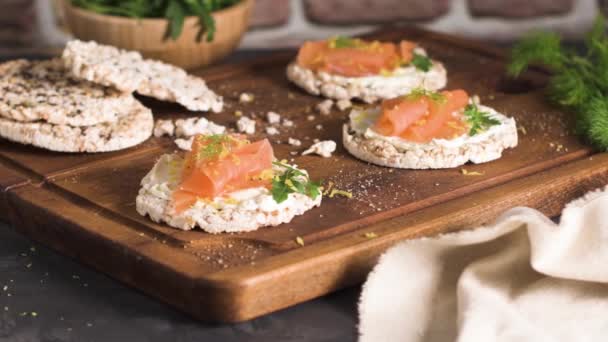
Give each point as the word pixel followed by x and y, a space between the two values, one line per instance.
pixel 42 90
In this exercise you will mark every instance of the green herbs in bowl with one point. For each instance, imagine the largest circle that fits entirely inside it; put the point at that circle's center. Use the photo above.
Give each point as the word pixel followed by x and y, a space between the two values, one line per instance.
pixel 175 11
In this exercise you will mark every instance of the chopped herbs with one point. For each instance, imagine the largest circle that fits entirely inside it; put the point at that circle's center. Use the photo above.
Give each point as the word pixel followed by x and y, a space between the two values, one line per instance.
pixel 175 11
pixel 579 80
pixel 421 92
pixel 293 181
pixel 478 120
pixel 422 62
pixel 215 146
pixel 341 42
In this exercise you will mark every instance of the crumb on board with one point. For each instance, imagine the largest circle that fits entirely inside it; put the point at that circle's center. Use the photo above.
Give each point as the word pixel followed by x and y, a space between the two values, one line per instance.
pixel 300 241
pixel 322 148
pixel 324 107
pixel 245 125
pixel 246 98
pixel 294 142
pixel 273 118
pixel 271 130
pixel 471 173
pixel 287 123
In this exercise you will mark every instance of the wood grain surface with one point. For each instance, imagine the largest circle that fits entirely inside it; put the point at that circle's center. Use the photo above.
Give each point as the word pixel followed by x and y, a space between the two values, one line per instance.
pixel 84 205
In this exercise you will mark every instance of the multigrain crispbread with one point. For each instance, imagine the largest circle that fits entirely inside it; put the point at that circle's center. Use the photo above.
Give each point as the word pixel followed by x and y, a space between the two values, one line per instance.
pixel 436 154
pixel 129 71
pixel 244 211
pixel 129 130
pixel 42 90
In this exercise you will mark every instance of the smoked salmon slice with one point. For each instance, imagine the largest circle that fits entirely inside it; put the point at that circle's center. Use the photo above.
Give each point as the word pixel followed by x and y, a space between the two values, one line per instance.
pixel 422 118
pixel 354 57
pixel 221 164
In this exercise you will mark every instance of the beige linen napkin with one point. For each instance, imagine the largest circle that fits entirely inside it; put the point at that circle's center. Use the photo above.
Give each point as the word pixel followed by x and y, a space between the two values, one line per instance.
pixel 522 279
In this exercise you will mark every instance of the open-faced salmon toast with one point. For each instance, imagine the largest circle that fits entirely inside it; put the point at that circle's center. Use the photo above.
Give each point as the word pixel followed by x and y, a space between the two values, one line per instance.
pixel 225 184
pixel 428 130
pixel 346 68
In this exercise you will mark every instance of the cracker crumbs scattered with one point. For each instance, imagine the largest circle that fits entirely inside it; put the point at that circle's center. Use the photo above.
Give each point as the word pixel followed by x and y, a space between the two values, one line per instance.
pixel 164 127
pixel 245 125
pixel 5 288
pixel 246 98
pixel 287 123
pixel 319 127
pixel 238 113
pixel 310 118
pixel 370 235
pixel 271 130
pixel 273 118
pixel 34 314
pixel 294 142
pixel 344 104
pixel 291 95
pixel 300 241
pixel 185 128
pixel 324 107
pixel 471 173
pixel 322 148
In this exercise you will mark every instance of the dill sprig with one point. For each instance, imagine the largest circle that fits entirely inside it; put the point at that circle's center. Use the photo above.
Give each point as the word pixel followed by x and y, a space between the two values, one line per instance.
pixel 579 81
pixel 478 120
pixel 293 181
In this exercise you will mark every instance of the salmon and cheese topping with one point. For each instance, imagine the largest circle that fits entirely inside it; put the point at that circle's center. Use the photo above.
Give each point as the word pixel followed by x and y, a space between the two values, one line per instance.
pixel 346 68
pixel 356 57
pixel 226 183
pixel 426 129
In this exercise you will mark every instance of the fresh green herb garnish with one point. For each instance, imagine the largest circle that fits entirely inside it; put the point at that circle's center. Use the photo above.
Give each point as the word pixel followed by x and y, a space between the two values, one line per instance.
pixel 479 121
pixel 293 181
pixel 417 93
pixel 341 42
pixel 217 145
pixel 579 81
pixel 175 11
pixel 422 62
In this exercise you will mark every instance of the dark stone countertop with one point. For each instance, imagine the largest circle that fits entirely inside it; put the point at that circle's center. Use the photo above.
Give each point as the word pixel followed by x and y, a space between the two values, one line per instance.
pixel 47 297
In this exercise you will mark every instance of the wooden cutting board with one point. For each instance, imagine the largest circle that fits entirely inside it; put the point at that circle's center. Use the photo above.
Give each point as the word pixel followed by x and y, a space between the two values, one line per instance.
pixel 84 205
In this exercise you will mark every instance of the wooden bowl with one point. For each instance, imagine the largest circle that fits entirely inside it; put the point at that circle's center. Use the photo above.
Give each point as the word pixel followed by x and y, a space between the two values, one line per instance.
pixel 147 35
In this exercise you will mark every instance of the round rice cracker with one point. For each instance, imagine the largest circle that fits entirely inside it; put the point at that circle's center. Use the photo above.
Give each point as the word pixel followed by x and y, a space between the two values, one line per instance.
pixel 433 155
pixel 129 71
pixel 213 221
pixel 128 131
pixel 154 200
pixel 368 88
pixel 43 90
